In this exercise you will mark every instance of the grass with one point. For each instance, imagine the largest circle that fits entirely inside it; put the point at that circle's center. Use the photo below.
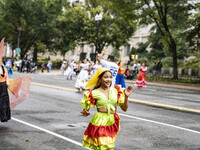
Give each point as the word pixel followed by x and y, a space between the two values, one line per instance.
pixel 171 80
pixel 180 80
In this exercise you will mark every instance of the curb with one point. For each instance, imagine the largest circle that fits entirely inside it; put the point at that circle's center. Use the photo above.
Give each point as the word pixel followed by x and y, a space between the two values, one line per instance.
pixel 172 85
pixel 164 106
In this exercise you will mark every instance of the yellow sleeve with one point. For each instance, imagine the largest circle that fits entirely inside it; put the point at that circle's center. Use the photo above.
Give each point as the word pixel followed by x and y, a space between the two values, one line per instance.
pixel 121 98
pixel 121 95
pixel 88 101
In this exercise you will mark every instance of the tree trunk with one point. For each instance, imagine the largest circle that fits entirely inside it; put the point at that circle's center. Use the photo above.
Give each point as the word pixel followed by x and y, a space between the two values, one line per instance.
pixel 22 55
pixel 35 52
pixel 174 54
pixel 12 54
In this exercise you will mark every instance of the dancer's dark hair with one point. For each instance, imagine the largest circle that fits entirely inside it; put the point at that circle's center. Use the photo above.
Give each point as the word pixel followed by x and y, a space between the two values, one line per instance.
pixel 100 77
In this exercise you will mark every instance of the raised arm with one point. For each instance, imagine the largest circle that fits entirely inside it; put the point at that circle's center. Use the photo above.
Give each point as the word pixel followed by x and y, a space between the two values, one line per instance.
pixel 127 93
pixel 101 55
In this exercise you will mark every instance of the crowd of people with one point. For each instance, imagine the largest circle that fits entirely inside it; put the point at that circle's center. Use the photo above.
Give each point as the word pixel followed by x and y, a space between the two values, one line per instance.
pixel 87 68
pixel 20 65
pixel 106 90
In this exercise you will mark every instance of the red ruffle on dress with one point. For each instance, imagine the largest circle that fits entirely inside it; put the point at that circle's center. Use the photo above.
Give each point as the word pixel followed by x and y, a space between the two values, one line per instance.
pixel 141 81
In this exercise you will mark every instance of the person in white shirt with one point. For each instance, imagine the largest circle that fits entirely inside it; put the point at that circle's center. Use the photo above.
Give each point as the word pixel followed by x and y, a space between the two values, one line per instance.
pixel 110 64
pixel 95 67
pixel 63 67
pixel 49 66
pixel 83 76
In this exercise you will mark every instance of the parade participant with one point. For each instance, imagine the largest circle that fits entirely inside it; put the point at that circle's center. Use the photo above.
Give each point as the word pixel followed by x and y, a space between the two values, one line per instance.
pixel 18 90
pixel 95 67
pixel 83 76
pixel 103 128
pixel 49 66
pixel 110 64
pixel 72 73
pixel 5 114
pixel 8 66
pixel 120 80
pixel 141 81
pixel 70 69
pixel 63 67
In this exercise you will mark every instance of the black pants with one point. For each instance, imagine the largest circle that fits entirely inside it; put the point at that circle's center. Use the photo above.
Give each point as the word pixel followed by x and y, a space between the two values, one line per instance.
pixel 5 114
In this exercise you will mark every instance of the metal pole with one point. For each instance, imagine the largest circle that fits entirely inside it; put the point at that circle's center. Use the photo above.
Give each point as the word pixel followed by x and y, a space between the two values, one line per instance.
pixel 18 39
pixel 96 50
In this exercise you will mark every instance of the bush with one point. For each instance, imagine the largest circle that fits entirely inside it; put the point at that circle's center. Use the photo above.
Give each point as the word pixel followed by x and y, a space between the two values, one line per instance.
pixel 143 59
pixel 167 62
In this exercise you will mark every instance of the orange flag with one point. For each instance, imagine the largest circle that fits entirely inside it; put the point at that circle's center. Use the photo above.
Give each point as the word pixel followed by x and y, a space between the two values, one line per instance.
pixel 19 90
pixel 1 48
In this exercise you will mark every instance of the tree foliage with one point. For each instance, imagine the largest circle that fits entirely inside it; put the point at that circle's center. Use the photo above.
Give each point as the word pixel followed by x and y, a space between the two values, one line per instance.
pixel 168 16
pixel 113 30
pixel 35 18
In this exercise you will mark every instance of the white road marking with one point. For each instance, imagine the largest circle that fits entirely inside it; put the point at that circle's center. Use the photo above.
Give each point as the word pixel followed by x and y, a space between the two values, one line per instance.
pixel 49 132
pixel 160 123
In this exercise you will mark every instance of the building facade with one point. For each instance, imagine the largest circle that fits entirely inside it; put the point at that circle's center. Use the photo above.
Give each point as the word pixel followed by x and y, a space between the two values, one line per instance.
pixel 88 51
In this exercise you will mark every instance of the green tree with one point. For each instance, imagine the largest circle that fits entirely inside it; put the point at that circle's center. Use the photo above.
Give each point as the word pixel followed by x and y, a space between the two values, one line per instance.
pixel 114 30
pixel 157 47
pixel 167 15
pixel 192 34
pixel 141 51
pixel 35 18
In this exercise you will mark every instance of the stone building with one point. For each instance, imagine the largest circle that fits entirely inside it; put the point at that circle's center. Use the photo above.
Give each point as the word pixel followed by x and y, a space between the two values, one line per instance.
pixel 88 51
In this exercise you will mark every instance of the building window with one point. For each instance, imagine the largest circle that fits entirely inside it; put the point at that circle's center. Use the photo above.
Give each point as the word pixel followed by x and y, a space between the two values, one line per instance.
pixel 92 49
pixel 76 1
pixel 198 47
pixel 127 50
pixel 82 48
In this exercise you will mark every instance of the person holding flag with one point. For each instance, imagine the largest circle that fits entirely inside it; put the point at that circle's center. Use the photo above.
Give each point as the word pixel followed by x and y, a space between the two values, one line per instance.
pixel 5 114
pixel 19 90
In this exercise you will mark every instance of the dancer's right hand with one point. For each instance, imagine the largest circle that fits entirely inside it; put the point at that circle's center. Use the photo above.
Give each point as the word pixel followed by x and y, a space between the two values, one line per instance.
pixel 84 113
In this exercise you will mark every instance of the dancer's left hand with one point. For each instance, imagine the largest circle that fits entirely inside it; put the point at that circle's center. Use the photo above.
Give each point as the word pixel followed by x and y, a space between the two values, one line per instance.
pixel 129 91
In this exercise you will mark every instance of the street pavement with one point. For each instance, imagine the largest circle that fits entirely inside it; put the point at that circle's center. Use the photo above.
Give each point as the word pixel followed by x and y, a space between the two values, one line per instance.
pixel 49 119
pixel 177 96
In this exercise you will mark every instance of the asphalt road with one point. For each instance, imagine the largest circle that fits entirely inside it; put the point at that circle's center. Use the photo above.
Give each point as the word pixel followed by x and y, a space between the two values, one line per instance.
pixel 49 119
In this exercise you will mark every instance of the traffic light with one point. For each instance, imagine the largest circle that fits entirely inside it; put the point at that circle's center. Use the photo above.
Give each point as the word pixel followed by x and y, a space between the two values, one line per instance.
pixel 133 57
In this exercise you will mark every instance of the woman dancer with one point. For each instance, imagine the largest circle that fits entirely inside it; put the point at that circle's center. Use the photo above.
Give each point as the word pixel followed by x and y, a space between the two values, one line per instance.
pixel 141 81
pixel 83 76
pixel 102 130
pixel 5 114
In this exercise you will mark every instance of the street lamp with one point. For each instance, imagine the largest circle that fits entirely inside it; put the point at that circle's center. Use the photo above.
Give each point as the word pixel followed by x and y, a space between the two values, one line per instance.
pixel 98 17
pixel 18 41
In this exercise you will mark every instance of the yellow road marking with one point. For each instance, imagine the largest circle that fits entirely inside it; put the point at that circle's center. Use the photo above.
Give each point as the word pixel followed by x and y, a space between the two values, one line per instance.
pixel 133 100
pixel 52 86
pixel 165 106
pixel 191 87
